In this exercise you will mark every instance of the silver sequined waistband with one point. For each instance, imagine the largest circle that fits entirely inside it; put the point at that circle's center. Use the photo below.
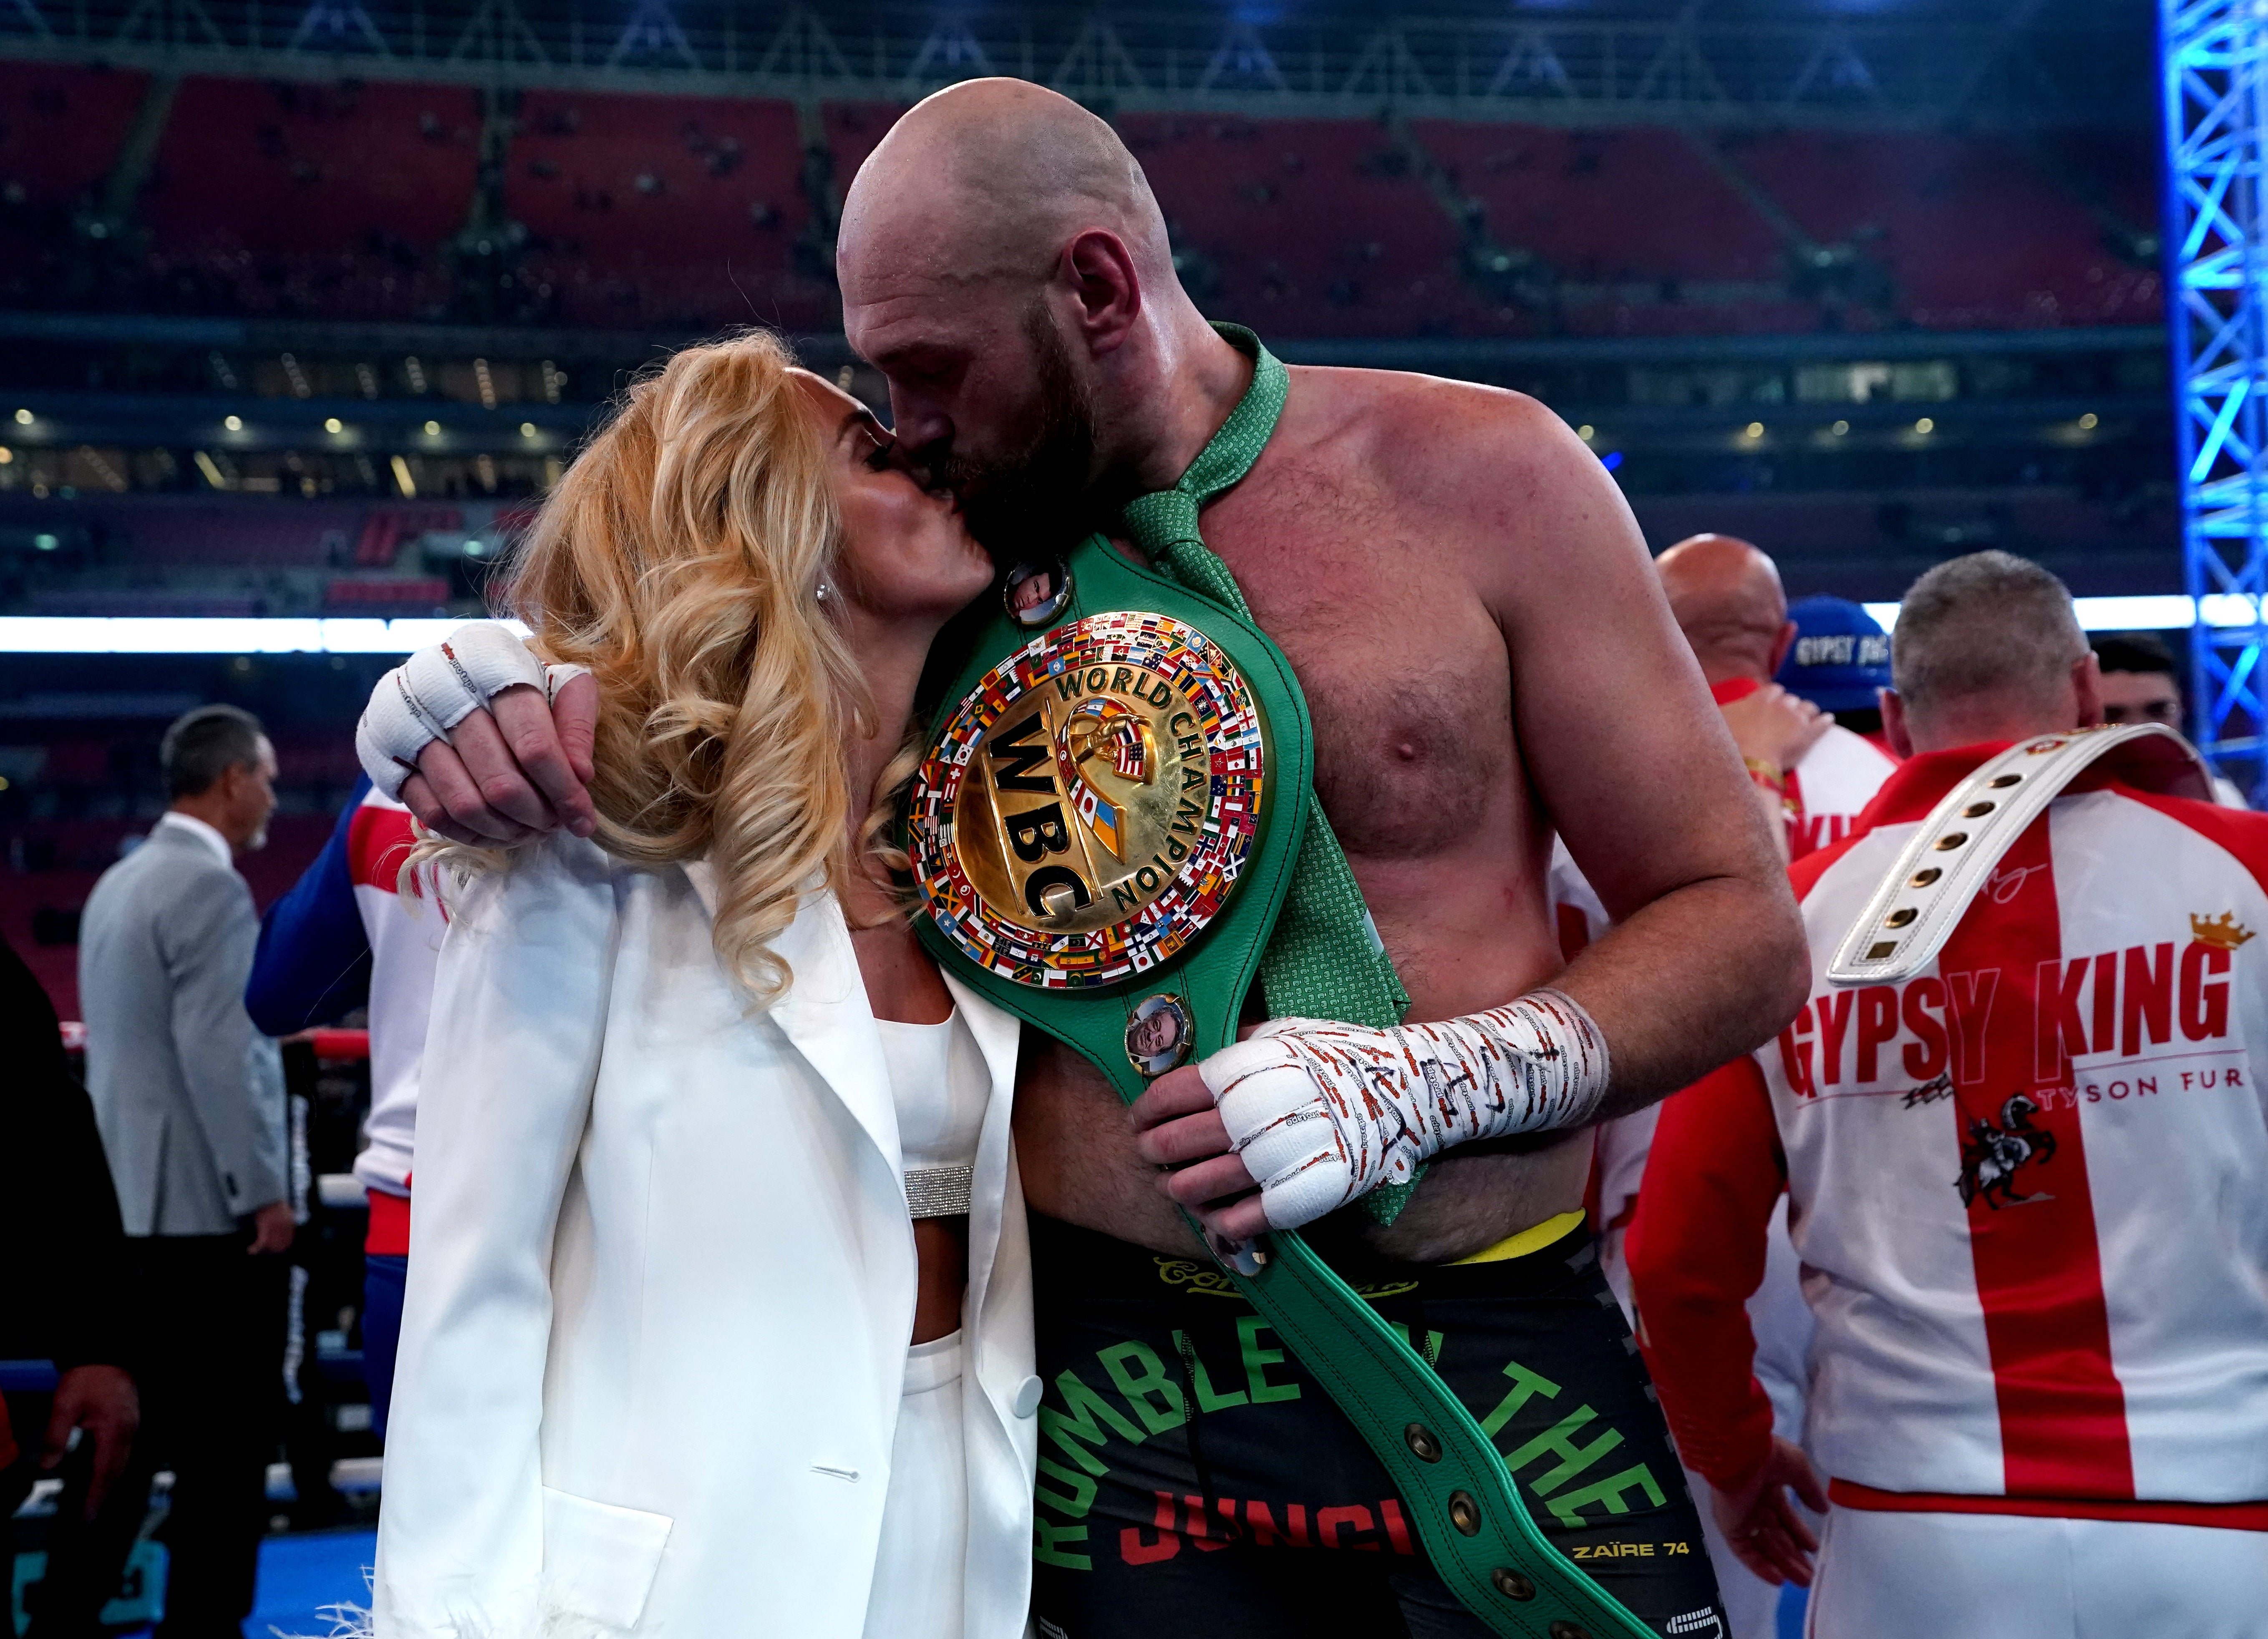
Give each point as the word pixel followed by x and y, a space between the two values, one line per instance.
pixel 939 1192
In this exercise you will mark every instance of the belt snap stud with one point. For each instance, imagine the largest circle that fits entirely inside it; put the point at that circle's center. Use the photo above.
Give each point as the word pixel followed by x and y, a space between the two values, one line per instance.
pixel 1464 1513
pixel 1978 810
pixel 1566 1630
pixel 1512 1584
pixel 1923 879
pixel 1900 917
pixel 2002 782
pixel 1422 1443
pixel 1951 839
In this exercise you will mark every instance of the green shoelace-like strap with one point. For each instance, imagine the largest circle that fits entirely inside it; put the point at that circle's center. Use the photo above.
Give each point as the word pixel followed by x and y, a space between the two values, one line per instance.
pixel 1324 960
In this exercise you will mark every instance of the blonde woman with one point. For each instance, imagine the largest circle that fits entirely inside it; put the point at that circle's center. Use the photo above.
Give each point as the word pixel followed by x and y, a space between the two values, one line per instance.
pixel 675 1356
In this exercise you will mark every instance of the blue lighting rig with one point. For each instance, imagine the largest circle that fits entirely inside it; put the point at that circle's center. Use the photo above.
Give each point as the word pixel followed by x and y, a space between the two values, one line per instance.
pixel 2215 63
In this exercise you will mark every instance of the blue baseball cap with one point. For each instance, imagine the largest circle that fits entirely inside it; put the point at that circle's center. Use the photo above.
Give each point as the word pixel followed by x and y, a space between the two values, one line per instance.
pixel 1840 656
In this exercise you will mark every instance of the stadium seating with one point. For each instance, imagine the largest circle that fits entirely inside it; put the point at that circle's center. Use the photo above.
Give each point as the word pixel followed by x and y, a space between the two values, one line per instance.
pixel 657 212
pixel 1305 227
pixel 193 532
pixel 387 528
pixel 61 128
pixel 61 132
pixel 1973 231
pixel 653 211
pixel 297 198
pixel 1640 234
pixel 415 594
pixel 853 129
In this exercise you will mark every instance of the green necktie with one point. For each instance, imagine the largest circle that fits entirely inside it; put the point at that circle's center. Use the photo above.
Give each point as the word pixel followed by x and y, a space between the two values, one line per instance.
pixel 1324 960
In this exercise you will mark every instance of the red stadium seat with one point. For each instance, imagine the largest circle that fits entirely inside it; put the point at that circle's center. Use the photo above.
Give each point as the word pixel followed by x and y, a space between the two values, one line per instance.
pixel 61 128
pixel 1975 235
pixel 677 212
pixel 320 198
pixel 1312 228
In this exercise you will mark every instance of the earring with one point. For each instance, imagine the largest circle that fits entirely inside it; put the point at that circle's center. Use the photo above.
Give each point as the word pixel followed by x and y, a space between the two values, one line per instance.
pixel 825 590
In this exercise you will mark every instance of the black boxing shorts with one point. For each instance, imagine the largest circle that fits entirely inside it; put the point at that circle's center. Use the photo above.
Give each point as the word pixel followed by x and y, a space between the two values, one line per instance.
pixel 1194 1481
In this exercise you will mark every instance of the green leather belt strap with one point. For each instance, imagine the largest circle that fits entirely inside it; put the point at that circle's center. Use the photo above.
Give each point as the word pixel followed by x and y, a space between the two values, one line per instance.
pixel 1295 881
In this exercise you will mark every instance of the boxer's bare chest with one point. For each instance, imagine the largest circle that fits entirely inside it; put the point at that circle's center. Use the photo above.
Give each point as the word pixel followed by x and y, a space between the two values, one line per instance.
pixel 1408 686
pixel 1405 672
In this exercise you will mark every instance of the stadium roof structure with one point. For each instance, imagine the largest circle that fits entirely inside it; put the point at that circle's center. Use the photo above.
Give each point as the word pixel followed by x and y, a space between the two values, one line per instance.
pixel 1762 65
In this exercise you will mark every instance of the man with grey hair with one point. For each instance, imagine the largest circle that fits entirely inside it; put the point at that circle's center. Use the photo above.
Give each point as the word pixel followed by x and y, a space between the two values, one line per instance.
pixel 190 1098
pixel 1982 643
pixel 2020 1128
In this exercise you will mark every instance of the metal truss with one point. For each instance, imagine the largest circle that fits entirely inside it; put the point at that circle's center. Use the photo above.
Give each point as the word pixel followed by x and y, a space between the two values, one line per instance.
pixel 1532 64
pixel 2216 60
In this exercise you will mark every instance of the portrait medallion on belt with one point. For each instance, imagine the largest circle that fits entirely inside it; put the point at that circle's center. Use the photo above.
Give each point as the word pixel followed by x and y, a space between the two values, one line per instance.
pixel 1035 594
pixel 1092 803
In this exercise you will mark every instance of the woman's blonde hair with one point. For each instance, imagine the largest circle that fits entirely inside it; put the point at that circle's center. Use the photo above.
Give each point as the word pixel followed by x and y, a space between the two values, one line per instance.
pixel 680 558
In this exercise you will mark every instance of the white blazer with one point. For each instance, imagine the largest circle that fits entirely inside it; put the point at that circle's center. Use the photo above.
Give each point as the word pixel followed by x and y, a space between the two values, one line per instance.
pixel 662 1282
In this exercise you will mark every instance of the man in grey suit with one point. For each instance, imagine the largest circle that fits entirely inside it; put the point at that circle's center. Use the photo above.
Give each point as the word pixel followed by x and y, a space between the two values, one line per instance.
pixel 189 1097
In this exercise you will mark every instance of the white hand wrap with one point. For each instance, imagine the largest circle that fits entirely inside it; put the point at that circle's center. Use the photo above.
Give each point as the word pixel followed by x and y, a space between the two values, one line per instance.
pixel 1323 1113
pixel 420 700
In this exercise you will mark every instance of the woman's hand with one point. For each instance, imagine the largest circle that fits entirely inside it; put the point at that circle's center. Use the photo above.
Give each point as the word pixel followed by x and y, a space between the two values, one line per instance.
pixel 1762 1525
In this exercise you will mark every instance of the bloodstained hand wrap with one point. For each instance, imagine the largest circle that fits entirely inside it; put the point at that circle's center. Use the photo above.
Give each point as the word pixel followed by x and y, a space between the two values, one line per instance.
pixel 1323 1113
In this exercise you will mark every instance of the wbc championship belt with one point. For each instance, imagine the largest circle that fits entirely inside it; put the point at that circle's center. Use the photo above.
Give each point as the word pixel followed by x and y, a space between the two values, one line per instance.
pixel 1103 830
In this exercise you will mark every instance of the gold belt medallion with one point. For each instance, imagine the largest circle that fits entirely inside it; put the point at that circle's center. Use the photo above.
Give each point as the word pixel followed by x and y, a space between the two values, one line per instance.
pixel 1089 808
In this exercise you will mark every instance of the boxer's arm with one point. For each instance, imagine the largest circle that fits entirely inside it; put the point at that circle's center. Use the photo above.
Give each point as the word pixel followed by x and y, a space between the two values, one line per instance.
pixel 479 750
pixel 1630 758
pixel 1319 1113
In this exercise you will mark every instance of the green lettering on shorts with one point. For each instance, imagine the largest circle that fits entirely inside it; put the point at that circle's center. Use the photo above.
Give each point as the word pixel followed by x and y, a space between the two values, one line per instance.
pixel 1256 1360
pixel 1208 1399
pixel 1139 1387
pixel 1077 1422
pixel 1575 1456
pixel 1045 1550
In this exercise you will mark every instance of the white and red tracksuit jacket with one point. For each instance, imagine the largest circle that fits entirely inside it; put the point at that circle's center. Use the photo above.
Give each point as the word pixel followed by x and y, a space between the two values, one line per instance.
pixel 2030 1186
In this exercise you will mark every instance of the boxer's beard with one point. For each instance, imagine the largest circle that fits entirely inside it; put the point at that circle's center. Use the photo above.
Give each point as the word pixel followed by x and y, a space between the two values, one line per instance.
pixel 1032 504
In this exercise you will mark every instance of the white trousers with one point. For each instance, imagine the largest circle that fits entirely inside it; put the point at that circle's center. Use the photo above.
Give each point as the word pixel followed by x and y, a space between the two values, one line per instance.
pixel 1885 1575
pixel 920 1572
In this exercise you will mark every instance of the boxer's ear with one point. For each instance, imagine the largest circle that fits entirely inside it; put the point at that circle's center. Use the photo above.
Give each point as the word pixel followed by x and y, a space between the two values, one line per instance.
pixel 1107 289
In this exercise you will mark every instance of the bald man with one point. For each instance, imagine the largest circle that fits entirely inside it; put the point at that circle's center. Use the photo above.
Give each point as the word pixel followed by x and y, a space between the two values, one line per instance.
pixel 1728 601
pixel 1468 604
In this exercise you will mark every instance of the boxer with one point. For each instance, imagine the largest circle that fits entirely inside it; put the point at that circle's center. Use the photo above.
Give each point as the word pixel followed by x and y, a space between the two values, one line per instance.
pixel 1467 603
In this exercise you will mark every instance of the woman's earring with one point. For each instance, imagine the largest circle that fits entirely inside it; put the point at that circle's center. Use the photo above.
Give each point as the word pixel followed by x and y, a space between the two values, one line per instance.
pixel 826 590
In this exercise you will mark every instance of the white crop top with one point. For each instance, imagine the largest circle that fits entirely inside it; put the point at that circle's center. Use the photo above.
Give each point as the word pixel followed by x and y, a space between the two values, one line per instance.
pixel 940 1084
